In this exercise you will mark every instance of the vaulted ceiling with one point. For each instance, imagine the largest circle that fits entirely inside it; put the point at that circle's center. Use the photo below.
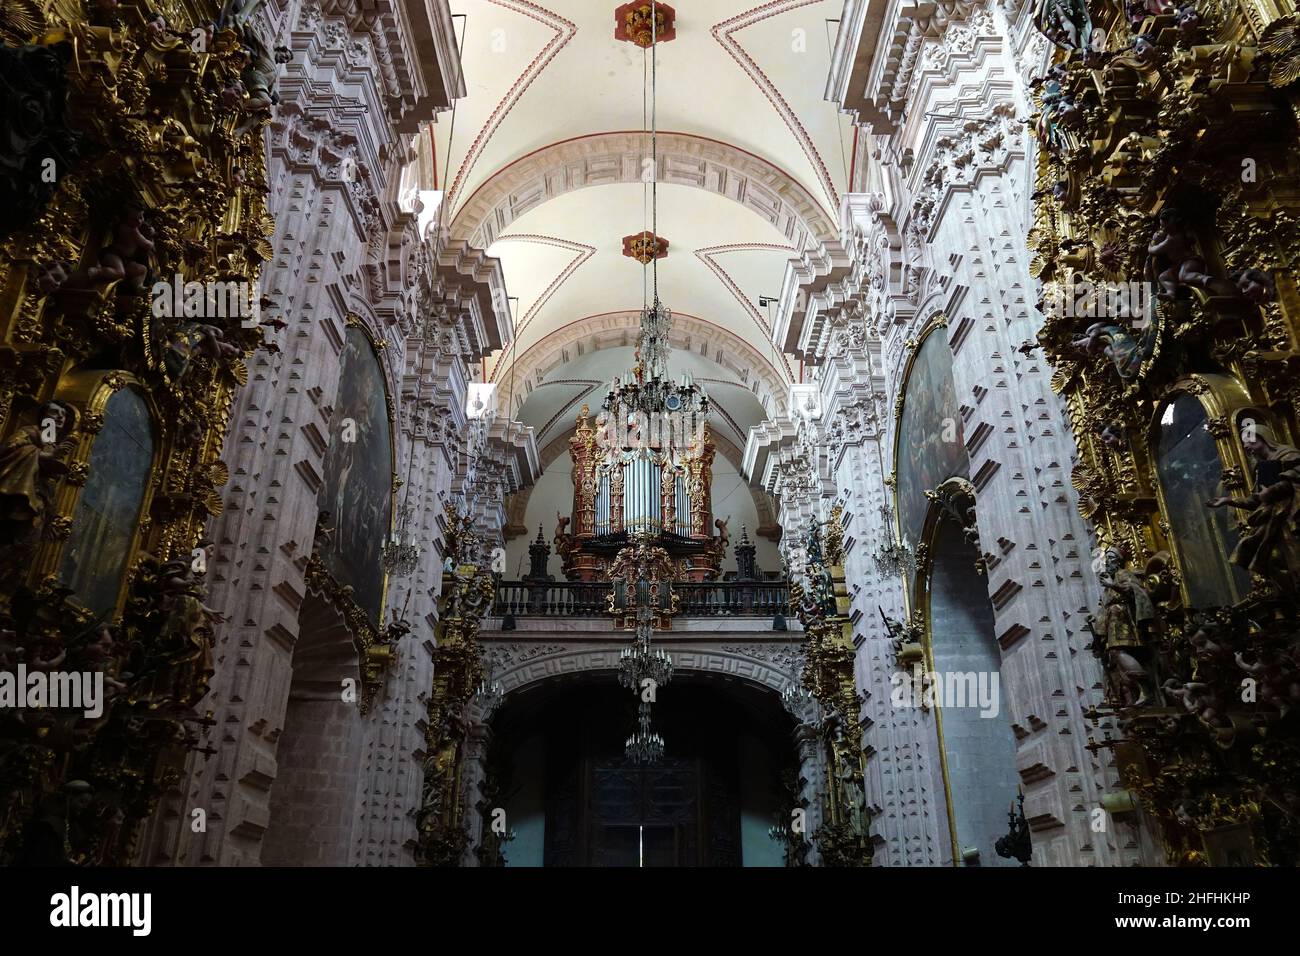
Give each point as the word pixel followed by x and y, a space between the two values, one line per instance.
pixel 543 164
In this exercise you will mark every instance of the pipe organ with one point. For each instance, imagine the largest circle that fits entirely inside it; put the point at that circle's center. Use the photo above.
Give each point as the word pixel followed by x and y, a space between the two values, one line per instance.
pixel 621 493
pixel 652 497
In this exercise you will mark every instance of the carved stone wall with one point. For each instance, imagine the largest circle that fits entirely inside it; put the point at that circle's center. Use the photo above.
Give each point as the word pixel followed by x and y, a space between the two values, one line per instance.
pixel 936 226
pixel 345 252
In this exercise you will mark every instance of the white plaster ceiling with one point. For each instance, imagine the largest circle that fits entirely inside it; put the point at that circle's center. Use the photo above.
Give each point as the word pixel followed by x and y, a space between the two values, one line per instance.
pixel 747 74
pixel 564 259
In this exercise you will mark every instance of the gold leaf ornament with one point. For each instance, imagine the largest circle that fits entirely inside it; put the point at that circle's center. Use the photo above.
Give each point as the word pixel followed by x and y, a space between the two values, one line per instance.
pixel 21 19
pixel 1281 41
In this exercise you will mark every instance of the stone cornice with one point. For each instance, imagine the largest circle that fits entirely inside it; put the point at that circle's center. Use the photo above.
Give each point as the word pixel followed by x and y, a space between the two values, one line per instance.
pixel 877 50
pixel 474 290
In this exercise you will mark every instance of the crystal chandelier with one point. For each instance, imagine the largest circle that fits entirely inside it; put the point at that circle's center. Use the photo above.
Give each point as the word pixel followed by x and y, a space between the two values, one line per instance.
pixel 488 696
pixel 401 554
pixel 893 557
pixel 639 663
pixel 644 746
pixel 795 697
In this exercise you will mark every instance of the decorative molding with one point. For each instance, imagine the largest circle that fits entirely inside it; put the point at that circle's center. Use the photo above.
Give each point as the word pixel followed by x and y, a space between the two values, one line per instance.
pixel 604 158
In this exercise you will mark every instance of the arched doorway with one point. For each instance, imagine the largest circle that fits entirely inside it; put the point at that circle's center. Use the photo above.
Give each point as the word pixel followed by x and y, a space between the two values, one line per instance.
pixel 571 798
pixel 318 755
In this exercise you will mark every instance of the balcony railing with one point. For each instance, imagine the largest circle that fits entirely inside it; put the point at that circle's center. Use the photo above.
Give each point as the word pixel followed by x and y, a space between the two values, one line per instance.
pixel 578 599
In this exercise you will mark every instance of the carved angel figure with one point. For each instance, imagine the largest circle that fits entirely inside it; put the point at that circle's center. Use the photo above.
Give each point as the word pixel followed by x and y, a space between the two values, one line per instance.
pixel 1125 351
pixel 723 535
pixel 1276 674
pixel 28 467
pixel 1175 260
pixel 127 255
pixel 1255 285
pixel 1269 547
pixel 1065 22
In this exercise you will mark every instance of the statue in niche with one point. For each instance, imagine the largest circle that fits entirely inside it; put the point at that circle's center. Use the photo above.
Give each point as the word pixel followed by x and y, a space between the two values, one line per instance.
pixel 260 62
pixel 29 466
pixel 182 657
pixel 1269 547
pixel 854 799
pixel 1060 112
pixel 60 833
pixel 1121 626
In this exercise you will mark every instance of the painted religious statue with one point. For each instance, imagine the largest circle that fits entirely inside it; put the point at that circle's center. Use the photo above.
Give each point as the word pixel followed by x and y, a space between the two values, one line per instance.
pixel 31 459
pixel 1121 624
pixel 1269 545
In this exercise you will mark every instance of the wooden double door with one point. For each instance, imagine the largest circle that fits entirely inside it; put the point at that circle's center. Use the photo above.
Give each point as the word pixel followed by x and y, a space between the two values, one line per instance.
pixel 680 812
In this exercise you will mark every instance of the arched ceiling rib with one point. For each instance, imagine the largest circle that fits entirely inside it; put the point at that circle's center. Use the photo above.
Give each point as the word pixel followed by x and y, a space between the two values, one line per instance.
pixel 744 73
pixel 546 171
pixel 750 366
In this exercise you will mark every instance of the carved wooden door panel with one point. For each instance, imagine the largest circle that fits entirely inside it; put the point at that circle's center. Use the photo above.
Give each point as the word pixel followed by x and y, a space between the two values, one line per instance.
pixel 644 816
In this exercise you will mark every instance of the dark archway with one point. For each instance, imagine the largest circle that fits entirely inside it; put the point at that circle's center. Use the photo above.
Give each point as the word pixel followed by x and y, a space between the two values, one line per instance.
pixel 318 756
pixel 572 800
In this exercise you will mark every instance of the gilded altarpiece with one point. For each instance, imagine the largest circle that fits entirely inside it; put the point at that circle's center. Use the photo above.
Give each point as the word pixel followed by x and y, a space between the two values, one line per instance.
pixel 134 227
pixel 1167 242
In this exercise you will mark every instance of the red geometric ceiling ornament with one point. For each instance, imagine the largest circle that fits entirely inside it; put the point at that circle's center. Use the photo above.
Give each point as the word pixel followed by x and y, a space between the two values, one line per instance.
pixel 642 247
pixel 632 23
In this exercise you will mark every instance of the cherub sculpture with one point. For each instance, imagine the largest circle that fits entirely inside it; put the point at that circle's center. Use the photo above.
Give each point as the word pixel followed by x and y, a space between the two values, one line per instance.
pixel 1276 677
pixel 1065 22
pixel 1188 21
pixel 1174 259
pixel 1112 436
pixel 1254 285
pixel 127 255
pixel 1203 702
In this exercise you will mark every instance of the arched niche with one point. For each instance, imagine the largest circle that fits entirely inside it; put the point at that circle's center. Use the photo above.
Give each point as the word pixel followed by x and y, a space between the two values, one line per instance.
pixel 119 450
pixel 929 442
pixel 963 665
pixel 1194 438
pixel 357 488
pixel 318 756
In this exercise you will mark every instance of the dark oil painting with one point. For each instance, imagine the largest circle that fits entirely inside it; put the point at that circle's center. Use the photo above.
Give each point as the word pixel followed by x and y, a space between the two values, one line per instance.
pixel 108 509
pixel 357 491
pixel 931 445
